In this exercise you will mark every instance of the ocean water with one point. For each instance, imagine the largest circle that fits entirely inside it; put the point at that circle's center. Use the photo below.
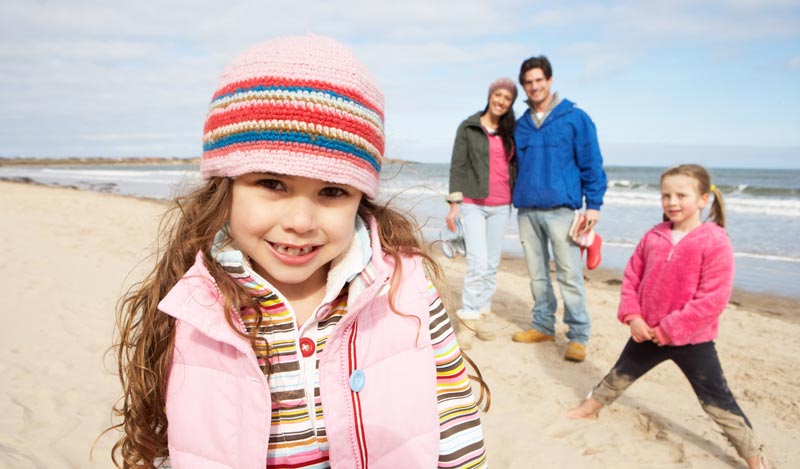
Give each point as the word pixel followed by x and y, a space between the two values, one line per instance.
pixel 762 208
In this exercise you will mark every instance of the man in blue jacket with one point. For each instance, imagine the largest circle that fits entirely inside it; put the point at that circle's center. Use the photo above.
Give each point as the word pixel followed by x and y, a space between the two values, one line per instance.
pixel 560 167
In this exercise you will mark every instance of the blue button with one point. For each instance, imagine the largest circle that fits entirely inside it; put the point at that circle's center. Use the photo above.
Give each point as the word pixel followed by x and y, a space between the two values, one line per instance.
pixel 357 381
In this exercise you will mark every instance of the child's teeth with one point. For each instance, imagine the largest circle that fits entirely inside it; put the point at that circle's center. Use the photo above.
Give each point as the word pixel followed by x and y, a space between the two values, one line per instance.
pixel 289 251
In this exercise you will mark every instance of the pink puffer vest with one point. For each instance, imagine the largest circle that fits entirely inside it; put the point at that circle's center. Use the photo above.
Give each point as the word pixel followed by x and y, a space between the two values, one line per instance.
pixel 218 401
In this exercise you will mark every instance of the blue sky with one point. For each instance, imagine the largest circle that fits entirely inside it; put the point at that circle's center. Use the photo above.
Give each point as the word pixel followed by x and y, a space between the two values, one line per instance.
pixel 133 78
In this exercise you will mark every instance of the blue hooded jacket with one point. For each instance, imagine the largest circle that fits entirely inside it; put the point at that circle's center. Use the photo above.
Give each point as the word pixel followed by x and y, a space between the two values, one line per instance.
pixel 559 163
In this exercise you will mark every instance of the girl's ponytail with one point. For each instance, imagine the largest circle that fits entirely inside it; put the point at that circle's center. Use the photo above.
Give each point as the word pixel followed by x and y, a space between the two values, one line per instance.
pixel 717 211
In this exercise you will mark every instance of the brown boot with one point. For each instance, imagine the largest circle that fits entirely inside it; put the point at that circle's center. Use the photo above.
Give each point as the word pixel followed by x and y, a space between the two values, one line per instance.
pixel 576 352
pixel 532 336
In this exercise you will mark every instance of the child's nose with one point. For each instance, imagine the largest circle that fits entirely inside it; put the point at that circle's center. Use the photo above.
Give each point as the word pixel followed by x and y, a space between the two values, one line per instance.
pixel 300 215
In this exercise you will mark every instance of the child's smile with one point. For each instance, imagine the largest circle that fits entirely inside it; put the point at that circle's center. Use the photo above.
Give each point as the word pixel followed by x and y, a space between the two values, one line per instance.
pixel 295 255
pixel 292 227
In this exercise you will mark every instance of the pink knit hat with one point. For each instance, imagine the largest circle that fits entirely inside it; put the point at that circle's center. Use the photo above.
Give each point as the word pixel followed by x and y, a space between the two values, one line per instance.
pixel 506 84
pixel 302 106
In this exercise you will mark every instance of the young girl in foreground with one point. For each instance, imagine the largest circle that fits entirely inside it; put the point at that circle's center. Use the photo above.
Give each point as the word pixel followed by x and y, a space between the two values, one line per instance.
pixel 290 321
pixel 676 285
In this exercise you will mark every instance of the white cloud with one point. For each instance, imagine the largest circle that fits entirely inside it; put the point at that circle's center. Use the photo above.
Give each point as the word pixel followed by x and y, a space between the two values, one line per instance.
pixel 757 4
pixel 625 23
pixel 75 70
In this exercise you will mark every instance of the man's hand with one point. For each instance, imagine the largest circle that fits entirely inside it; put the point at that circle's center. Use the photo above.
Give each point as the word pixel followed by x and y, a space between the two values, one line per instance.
pixel 592 218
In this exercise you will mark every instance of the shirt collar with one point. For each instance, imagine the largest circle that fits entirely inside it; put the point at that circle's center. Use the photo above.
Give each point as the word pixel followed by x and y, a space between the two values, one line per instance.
pixel 553 103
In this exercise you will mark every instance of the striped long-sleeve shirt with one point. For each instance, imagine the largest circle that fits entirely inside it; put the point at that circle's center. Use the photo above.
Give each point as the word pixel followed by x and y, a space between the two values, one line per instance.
pixel 297 427
pixel 298 436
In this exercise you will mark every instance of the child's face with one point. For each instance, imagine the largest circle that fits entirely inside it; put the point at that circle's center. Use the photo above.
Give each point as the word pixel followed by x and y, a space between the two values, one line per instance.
pixel 292 227
pixel 682 201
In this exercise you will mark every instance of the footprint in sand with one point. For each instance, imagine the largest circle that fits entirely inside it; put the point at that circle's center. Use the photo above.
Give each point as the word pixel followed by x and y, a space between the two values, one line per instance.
pixel 12 457
pixel 619 436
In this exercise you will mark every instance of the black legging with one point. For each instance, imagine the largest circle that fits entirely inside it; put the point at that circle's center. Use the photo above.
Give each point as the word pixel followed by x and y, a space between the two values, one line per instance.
pixel 700 364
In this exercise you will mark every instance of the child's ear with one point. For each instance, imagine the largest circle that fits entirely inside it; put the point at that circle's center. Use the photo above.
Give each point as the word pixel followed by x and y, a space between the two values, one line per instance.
pixel 704 200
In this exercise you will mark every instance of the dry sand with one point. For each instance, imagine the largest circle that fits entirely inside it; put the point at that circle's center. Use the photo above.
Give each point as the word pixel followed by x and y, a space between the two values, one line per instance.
pixel 69 254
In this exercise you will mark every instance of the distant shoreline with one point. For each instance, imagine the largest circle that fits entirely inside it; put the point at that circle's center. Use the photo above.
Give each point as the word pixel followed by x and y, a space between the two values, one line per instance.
pixel 103 160
pixel 100 160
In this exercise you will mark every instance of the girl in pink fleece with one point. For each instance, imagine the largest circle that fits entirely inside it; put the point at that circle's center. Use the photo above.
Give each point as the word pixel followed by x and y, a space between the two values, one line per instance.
pixel 676 285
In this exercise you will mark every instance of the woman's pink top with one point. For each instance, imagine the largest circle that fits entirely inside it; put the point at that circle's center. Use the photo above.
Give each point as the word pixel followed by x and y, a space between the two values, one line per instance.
pixel 499 179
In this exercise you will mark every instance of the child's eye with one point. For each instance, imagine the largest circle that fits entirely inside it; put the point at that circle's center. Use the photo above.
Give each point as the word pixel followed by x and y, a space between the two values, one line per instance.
pixel 271 184
pixel 333 192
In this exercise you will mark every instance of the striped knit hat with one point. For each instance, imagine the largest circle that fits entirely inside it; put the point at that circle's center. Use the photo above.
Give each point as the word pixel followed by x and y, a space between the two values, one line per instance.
pixel 302 106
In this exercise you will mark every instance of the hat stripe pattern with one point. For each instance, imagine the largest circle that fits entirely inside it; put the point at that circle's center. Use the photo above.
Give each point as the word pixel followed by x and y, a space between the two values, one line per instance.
pixel 281 113
pixel 309 110
pixel 299 95
pixel 267 83
pixel 293 137
pixel 270 111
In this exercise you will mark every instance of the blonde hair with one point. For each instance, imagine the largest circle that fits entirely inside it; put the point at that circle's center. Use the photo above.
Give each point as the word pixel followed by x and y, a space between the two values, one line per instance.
pixel 700 174
pixel 143 349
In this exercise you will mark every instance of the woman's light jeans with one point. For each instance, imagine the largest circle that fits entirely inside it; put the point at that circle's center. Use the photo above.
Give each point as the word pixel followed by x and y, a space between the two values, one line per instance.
pixel 537 228
pixel 484 231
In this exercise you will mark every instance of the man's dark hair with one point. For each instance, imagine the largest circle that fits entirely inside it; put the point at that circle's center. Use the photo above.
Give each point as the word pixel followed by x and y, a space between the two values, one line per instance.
pixel 535 62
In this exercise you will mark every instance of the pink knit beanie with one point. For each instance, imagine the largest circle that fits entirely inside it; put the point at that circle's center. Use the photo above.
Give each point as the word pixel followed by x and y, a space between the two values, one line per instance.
pixel 302 106
pixel 506 84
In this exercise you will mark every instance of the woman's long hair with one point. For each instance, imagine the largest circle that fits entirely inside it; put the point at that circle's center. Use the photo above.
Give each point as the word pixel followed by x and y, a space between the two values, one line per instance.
pixel 505 128
pixel 143 348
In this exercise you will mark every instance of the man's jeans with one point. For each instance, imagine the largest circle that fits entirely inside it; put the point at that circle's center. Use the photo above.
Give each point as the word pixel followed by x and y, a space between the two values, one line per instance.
pixel 536 229
pixel 484 230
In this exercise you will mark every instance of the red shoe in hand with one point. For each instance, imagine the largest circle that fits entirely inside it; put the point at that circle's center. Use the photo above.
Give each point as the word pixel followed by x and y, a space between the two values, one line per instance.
pixel 593 256
pixel 584 236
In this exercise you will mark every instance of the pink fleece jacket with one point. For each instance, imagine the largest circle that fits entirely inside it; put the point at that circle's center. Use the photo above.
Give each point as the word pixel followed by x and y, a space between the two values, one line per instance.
pixel 680 289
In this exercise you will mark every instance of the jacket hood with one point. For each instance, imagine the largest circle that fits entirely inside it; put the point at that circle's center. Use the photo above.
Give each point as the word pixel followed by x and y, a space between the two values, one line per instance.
pixel 526 120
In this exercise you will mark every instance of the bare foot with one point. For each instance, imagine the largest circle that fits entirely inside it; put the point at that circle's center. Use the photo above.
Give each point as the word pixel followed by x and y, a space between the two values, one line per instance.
pixel 756 462
pixel 587 410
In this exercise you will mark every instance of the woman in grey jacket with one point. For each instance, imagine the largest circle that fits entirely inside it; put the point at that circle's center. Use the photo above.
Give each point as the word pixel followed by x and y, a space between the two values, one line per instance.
pixel 482 173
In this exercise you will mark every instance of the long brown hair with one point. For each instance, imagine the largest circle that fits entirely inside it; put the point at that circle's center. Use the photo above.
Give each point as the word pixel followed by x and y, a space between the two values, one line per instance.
pixel 717 211
pixel 400 236
pixel 505 127
pixel 143 348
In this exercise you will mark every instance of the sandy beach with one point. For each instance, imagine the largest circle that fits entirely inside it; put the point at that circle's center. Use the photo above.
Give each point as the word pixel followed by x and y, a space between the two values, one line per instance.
pixel 70 254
